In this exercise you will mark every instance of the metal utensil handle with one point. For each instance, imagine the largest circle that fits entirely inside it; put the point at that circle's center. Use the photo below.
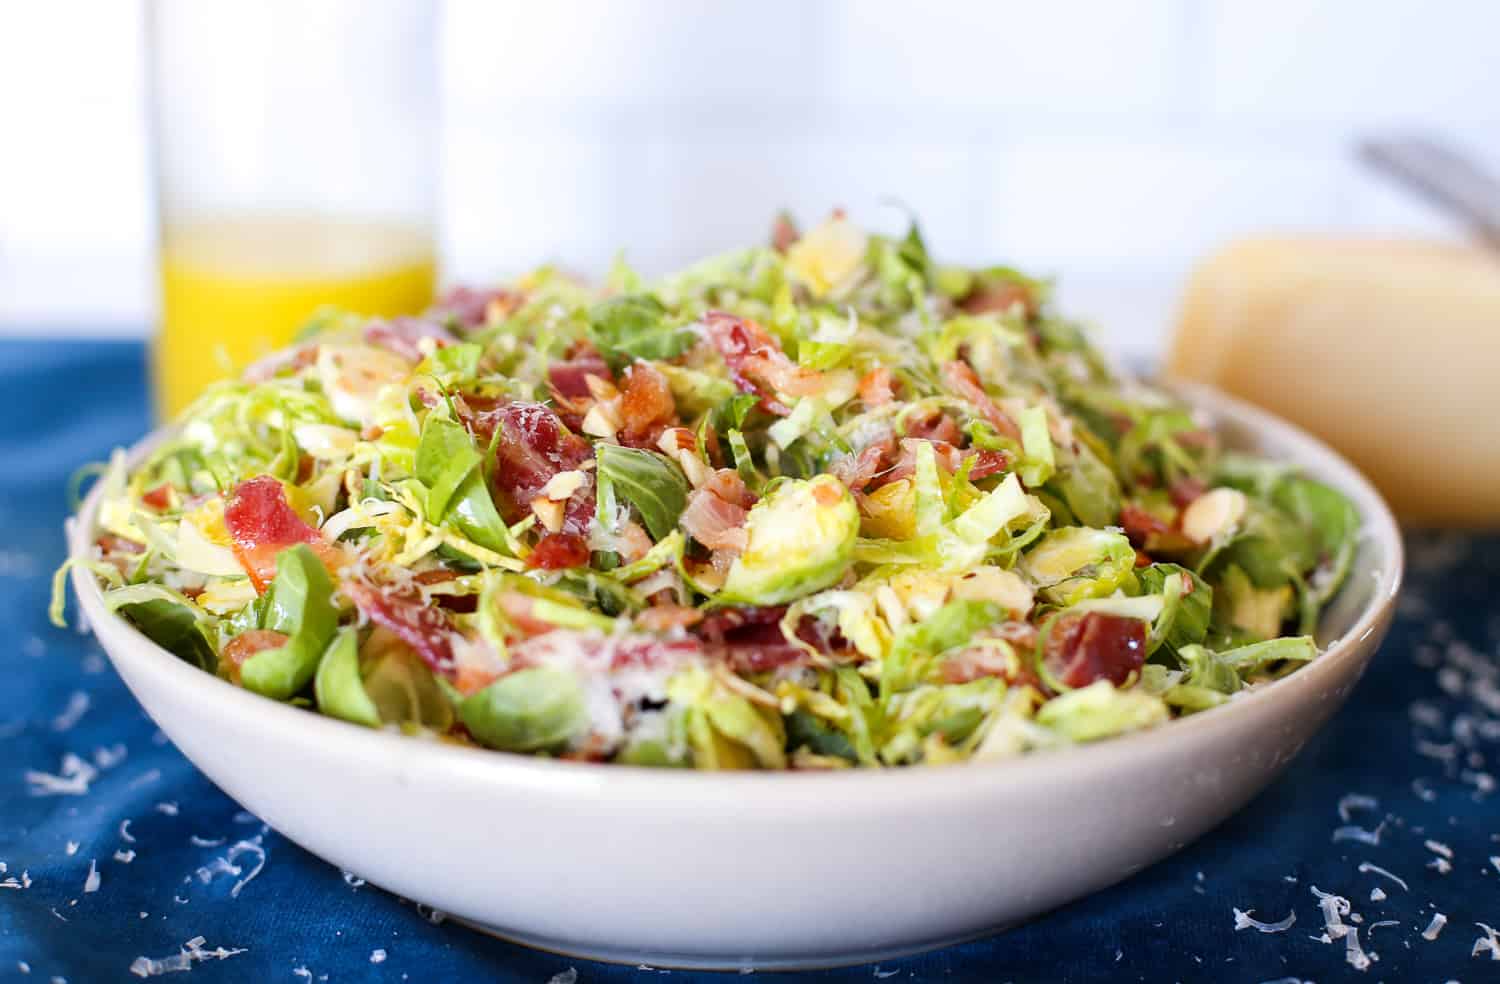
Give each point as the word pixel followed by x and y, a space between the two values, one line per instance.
pixel 1444 176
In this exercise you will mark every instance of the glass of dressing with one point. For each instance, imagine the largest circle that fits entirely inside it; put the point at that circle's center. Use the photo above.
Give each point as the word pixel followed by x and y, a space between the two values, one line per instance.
pixel 296 166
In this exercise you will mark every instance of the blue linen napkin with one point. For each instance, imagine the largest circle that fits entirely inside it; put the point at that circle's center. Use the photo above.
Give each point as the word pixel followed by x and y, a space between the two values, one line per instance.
pixel 121 860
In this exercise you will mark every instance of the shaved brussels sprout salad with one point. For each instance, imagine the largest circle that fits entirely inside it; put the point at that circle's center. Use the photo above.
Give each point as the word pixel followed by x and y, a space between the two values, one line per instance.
pixel 815 504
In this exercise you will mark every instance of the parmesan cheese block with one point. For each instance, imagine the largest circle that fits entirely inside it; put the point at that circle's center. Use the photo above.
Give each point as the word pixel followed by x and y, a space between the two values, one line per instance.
pixel 1388 350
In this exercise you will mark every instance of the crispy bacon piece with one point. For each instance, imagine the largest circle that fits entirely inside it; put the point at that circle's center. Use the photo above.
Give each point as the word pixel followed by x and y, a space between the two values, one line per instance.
pixel 783 233
pixel 1199 438
pixel 756 363
pixel 110 543
pixel 857 471
pixel 403 335
pixel 425 628
pixel 463 603
pixel 469 308
pixel 247 644
pixel 727 484
pixel 569 377
pixel 646 406
pixel 159 498
pixel 999 298
pixel 1095 646
pixel 949 458
pixel 1140 525
pixel 1185 490
pixel 282 360
pixel 750 639
pixel 558 551
pixel 262 524
pixel 600 654
pixel 668 616
pixel 520 608
pixel 987 463
pixel 960 377
pixel 934 425
pixel 971 663
pixel 534 446
pixel 714 522
pixel 877 387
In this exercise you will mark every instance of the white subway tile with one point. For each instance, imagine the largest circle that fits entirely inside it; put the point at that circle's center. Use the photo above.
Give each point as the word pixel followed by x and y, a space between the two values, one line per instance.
pixel 1143 206
pixel 955 57
pixel 514 200
pixel 585 58
pixel 706 195
pixel 1355 60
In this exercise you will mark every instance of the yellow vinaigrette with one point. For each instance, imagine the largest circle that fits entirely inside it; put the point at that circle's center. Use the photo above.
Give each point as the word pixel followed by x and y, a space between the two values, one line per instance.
pixel 235 289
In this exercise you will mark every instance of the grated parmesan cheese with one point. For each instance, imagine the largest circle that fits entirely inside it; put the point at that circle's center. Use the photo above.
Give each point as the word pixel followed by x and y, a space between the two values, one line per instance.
pixel 1438 847
pixel 1245 920
pixel 1334 907
pixel 1366 867
pixel 1435 927
pixel 225 864
pixel 125 857
pixel 91 883
pixel 1488 943
pixel 569 976
pixel 1355 954
pixel 77 706
pixel 108 758
pixel 72 778
pixel 1356 801
pixel 1354 833
pixel 167 807
pixel 125 834
pixel 192 952
pixel 377 956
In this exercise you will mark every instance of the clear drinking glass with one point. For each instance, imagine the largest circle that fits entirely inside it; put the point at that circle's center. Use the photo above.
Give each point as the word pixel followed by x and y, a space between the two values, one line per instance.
pixel 296 163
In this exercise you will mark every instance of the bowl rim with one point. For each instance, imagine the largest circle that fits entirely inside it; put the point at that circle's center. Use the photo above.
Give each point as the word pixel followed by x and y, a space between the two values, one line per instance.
pixel 589 778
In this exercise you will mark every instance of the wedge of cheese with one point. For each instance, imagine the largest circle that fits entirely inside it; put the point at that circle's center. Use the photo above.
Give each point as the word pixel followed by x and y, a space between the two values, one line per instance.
pixel 1388 350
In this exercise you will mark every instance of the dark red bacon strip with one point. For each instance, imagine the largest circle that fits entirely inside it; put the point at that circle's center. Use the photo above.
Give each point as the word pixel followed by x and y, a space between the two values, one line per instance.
pixel 964 384
pixel 403 336
pixel 425 628
pixel 262 524
pixel 534 445
pixel 756 362
pixel 1081 649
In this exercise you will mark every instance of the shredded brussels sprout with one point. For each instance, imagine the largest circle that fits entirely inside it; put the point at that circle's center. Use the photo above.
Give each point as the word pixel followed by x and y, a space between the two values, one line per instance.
pixel 818 504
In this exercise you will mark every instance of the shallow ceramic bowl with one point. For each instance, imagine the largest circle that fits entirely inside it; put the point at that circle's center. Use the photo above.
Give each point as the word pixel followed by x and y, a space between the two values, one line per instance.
pixel 678 868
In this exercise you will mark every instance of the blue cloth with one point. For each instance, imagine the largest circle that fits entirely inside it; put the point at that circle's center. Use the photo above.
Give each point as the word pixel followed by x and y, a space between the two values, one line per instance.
pixel 1418 736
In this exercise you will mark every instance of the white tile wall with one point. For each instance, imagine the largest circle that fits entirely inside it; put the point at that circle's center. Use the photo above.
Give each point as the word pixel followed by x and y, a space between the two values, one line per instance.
pixel 1366 61
pixel 1109 143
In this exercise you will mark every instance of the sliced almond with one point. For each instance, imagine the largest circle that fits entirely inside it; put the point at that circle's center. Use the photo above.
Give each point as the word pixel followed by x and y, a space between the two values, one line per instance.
pixel 600 388
pixel 560 486
pixel 995 584
pixel 548 512
pixel 1213 514
pixel 891 607
pixel 675 439
pixel 693 467
pixel 602 420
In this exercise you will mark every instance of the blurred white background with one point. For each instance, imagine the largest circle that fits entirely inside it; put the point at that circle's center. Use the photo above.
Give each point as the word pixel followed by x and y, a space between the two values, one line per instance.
pixel 1107 143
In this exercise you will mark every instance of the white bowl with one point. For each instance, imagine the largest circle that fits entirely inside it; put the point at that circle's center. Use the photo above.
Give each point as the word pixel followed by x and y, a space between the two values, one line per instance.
pixel 770 870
